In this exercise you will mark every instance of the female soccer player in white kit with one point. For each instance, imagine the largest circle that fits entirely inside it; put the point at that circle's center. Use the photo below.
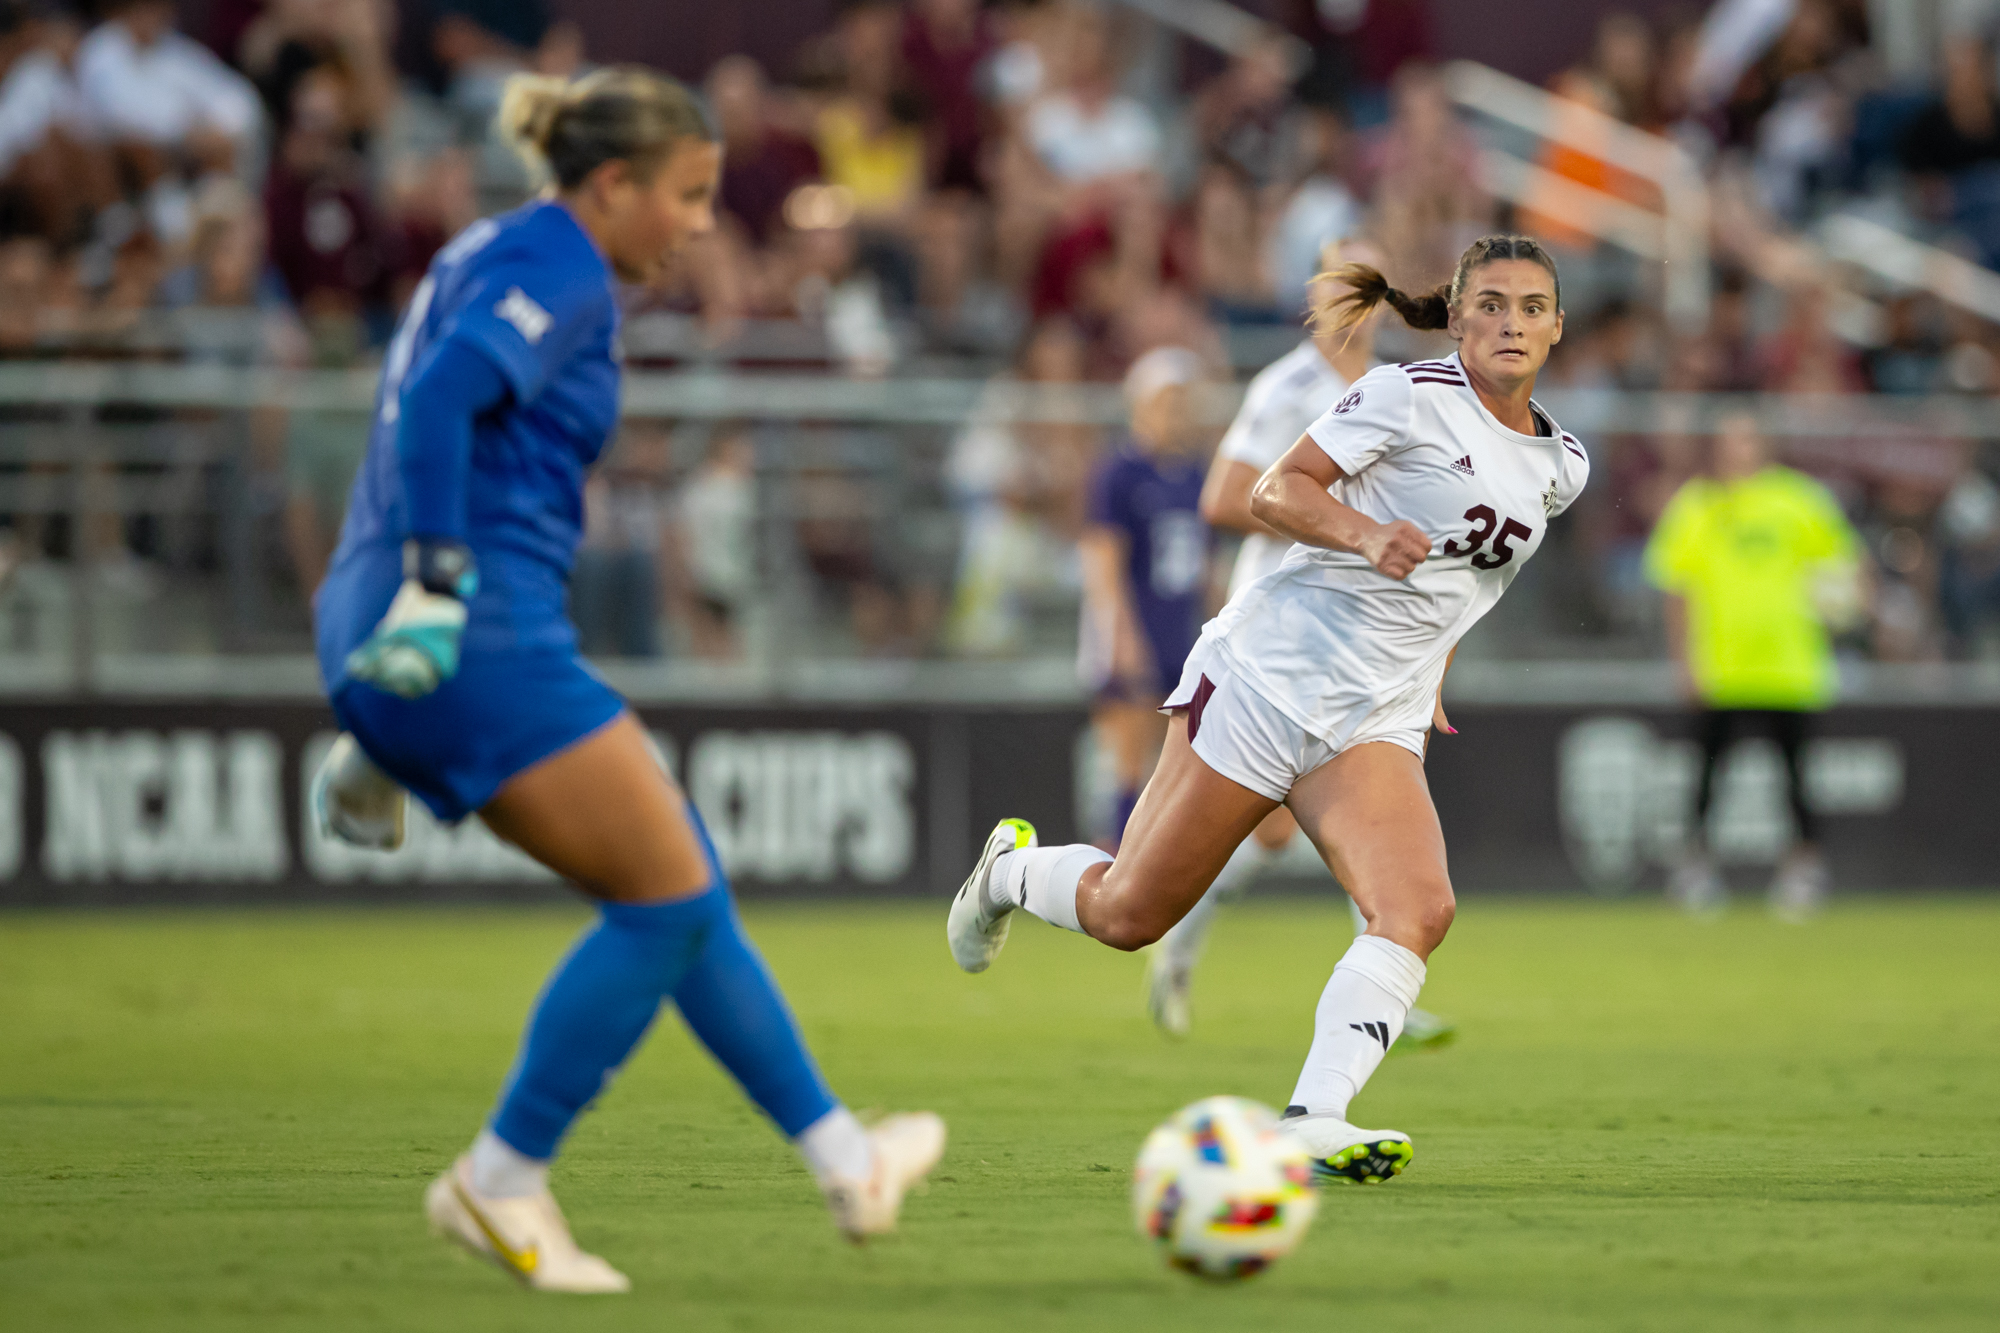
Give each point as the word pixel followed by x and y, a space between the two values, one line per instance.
pixel 1414 501
pixel 1283 399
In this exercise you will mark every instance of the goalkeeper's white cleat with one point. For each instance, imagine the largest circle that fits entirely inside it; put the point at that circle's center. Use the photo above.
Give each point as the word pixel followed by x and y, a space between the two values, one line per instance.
pixel 977 927
pixel 356 802
pixel 906 1147
pixel 1365 1156
pixel 527 1236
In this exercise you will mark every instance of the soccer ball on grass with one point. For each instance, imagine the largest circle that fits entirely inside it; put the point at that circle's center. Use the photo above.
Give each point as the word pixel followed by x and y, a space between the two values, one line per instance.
pixel 1222 1189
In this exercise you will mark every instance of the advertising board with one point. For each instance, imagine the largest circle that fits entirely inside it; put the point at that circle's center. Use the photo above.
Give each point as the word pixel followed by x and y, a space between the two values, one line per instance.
pixel 106 803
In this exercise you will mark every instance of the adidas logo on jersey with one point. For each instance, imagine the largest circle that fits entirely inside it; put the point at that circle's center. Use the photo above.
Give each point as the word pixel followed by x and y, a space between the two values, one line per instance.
pixel 1463 465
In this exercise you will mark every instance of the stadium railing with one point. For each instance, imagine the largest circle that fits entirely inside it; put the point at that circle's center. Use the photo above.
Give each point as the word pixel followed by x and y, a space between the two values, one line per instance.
pixel 1675 236
pixel 1519 119
pixel 183 452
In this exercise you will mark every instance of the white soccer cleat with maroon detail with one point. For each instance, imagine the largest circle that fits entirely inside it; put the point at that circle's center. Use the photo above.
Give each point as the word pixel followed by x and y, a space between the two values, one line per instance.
pixel 526 1237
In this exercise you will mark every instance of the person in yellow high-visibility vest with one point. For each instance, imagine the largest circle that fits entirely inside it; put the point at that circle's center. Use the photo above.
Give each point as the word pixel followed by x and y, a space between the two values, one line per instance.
pixel 1756 561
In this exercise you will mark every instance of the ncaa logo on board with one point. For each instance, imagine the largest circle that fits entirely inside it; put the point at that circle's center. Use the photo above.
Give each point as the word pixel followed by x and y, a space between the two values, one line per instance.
pixel 1347 404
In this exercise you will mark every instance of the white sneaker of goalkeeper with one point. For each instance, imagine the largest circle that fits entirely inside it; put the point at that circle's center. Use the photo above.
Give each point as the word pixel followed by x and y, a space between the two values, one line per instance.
pixel 525 1236
pixel 905 1148
pixel 528 1237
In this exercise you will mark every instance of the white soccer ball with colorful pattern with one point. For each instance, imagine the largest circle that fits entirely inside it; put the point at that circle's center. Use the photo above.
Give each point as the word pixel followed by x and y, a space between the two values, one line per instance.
pixel 1222 1190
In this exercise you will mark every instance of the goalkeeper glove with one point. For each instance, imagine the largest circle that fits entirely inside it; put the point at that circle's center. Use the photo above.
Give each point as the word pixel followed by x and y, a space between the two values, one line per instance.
pixel 415 647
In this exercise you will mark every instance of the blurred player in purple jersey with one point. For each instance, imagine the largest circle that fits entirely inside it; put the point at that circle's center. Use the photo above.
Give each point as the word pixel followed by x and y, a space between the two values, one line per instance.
pixel 1145 566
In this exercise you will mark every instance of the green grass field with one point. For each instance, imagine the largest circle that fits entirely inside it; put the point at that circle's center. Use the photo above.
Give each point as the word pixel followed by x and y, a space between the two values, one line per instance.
pixel 222 1122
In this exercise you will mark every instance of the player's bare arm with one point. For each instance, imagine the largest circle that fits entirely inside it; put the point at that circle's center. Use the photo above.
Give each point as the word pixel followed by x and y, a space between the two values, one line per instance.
pixel 1225 499
pixel 1292 499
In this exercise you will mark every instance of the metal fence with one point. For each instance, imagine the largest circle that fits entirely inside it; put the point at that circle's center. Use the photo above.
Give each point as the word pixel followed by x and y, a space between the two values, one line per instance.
pixel 162 522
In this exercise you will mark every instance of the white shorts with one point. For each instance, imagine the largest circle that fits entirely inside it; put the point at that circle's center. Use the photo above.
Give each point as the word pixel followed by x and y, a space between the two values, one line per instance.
pixel 1240 734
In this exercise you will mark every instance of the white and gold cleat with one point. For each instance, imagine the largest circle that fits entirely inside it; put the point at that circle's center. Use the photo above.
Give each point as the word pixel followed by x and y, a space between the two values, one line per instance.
pixel 906 1147
pixel 974 930
pixel 526 1236
pixel 356 802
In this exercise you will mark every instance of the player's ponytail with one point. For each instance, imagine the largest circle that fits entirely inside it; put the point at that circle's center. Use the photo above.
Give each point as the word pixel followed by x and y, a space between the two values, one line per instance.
pixel 1367 288
pixel 568 129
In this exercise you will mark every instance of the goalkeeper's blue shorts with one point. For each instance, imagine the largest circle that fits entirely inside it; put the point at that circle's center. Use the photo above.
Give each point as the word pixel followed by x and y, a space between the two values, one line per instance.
pixel 504 712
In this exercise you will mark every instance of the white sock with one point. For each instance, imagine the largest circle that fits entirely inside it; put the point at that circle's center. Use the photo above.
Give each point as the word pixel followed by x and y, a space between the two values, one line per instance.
pixel 1360 1015
pixel 1182 946
pixel 836 1146
pixel 500 1171
pixel 1043 880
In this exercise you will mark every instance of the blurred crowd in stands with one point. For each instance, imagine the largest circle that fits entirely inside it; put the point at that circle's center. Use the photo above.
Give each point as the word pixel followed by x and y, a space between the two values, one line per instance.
pixel 1037 190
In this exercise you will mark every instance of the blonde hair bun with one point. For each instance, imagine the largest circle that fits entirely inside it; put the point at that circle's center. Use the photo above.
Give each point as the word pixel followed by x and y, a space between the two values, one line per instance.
pixel 569 128
pixel 529 105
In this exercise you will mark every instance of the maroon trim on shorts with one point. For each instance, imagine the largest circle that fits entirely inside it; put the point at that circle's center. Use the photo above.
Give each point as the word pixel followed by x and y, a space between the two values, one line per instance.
pixel 1196 704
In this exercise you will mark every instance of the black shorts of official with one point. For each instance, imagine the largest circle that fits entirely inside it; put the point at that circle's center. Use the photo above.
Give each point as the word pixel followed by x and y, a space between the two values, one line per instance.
pixel 1716 729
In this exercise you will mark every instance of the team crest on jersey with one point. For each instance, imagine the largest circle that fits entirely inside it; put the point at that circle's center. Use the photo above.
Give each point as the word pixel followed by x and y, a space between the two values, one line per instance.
pixel 520 310
pixel 1549 499
pixel 1347 404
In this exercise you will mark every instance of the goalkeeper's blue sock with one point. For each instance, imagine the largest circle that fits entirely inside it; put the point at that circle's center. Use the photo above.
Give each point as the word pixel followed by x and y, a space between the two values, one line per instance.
pixel 596 1006
pixel 600 1001
pixel 728 998
pixel 730 1001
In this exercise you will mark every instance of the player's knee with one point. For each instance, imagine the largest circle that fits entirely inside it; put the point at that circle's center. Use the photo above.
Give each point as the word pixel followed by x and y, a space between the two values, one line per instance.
pixel 1418 918
pixel 1434 918
pixel 1129 925
pixel 1130 931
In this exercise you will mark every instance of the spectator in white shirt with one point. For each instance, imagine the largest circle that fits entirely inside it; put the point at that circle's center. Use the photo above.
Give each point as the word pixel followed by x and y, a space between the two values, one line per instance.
pixel 162 94
pixel 1087 130
pixel 52 173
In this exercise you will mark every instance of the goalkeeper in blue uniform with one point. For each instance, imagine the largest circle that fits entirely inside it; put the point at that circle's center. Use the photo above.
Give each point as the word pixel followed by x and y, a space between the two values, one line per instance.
pixel 452 665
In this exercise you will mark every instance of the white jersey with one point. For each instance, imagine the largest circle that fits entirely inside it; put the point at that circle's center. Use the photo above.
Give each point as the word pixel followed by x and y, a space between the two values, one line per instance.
pixel 1286 396
pixel 1328 640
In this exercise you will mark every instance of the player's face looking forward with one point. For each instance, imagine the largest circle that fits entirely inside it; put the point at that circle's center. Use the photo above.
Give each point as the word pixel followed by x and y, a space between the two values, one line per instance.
pixel 641 221
pixel 1505 324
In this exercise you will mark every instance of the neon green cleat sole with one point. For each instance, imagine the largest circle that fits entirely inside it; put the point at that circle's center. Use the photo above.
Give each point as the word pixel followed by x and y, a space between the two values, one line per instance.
pixel 1367 1163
